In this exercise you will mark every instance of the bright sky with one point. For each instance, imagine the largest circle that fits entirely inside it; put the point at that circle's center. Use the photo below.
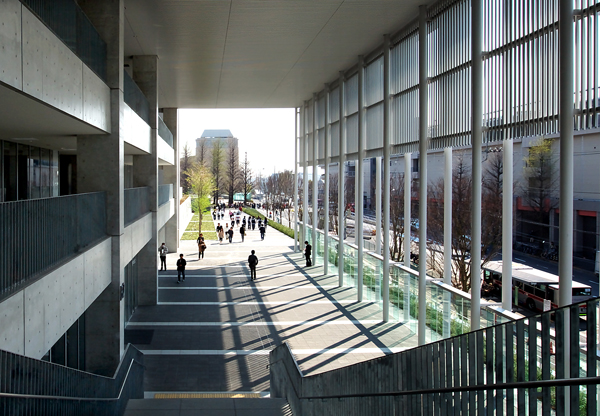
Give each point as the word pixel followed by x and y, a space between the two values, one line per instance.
pixel 266 134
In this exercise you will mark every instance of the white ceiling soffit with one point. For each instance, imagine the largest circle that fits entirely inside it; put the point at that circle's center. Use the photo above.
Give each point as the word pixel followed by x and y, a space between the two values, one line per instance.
pixel 256 53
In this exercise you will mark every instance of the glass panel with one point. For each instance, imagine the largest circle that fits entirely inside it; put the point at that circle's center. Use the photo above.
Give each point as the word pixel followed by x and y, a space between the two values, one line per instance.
pixel 22 166
pixel 45 172
pixel 35 180
pixel 10 171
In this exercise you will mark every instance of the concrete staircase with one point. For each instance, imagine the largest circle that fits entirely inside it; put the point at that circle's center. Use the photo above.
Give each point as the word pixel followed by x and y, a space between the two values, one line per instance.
pixel 208 407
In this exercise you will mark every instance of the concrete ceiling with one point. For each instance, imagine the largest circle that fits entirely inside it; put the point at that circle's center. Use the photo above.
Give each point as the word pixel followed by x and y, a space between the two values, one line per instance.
pixel 256 53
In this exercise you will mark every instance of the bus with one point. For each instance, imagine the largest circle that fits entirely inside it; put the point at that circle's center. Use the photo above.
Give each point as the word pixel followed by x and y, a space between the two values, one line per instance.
pixel 534 286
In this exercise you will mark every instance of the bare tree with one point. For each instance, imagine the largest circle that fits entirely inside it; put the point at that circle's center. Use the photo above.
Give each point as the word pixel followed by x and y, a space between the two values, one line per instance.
pixel 397 217
pixel 246 177
pixel 203 154
pixel 232 172
pixel 333 203
pixel 186 164
pixel 286 193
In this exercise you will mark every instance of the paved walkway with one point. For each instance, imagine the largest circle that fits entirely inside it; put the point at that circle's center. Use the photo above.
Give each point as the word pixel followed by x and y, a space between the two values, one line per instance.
pixel 213 332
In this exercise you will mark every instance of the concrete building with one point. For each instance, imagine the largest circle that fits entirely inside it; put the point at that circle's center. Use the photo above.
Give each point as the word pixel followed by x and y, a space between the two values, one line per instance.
pixel 90 91
pixel 205 143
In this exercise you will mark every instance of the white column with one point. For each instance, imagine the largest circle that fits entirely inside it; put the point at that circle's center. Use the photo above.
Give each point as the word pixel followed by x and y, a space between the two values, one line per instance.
pixel 326 190
pixel 507 223
pixel 315 183
pixel 341 182
pixel 476 141
pixel 358 226
pixel 296 136
pixel 386 183
pixel 407 206
pixel 378 212
pixel 305 173
pixel 423 113
pixel 447 237
pixel 565 226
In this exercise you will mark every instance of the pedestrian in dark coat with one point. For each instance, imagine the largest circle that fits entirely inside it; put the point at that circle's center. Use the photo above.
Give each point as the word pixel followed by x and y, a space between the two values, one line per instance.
pixel 307 253
pixel 252 262
pixel 253 223
pixel 243 231
pixel 262 232
pixel 181 268
pixel 230 234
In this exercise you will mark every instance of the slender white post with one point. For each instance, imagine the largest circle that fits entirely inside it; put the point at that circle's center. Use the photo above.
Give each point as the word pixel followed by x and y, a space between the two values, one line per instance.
pixel 507 220
pixel 476 142
pixel 358 226
pixel 378 197
pixel 305 211
pixel 407 207
pixel 296 136
pixel 447 237
pixel 423 116
pixel 326 190
pixel 315 190
pixel 386 182
pixel 341 183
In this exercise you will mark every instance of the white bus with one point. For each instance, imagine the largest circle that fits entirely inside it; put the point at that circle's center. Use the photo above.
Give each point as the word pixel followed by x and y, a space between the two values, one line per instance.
pixel 534 286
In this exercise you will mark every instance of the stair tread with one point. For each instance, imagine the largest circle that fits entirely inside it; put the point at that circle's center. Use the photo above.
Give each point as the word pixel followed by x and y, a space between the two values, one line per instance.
pixel 208 407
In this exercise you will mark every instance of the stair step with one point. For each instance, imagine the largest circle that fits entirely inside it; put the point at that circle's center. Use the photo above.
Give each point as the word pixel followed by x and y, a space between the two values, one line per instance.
pixel 208 407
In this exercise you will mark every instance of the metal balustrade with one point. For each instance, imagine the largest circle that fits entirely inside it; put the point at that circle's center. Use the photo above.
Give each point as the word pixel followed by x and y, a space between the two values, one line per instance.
pixel 30 386
pixel 165 193
pixel 164 132
pixel 546 364
pixel 136 203
pixel 135 98
pixel 68 22
pixel 41 233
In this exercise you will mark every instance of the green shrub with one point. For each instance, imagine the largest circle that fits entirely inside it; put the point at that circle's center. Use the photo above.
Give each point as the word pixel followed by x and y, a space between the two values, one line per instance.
pixel 273 224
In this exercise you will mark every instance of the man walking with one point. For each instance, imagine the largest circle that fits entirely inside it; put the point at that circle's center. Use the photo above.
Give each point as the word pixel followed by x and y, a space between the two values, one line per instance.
pixel 181 268
pixel 262 232
pixel 243 231
pixel 307 253
pixel 230 234
pixel 162 251
pixel 252 262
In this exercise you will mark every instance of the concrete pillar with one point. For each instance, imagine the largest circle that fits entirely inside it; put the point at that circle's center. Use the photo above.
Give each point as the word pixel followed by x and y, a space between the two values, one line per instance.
pixel 386 182
pixel 476 142
pixel 507 223
pixel 171 176
pixel 341 180
pixel 315 183
pixel 326 190
pixel 360 172
pixel 296 135
pixel 447 237
pixel 104 318
pixel 145 173
pixel 423 113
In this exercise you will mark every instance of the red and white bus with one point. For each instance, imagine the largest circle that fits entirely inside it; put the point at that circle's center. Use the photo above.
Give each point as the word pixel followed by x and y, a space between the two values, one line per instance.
pixel 534 286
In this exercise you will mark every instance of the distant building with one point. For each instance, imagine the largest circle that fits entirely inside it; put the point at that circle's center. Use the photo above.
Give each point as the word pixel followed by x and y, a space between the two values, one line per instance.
pixel 206 142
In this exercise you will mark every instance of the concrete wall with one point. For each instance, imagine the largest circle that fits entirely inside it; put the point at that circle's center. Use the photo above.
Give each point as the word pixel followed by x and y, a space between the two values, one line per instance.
pixel 165 212
pixel 39 64
pixel 136 131
pixel 165 152
pixel 185 215
pixel 135 237
pixel 33 319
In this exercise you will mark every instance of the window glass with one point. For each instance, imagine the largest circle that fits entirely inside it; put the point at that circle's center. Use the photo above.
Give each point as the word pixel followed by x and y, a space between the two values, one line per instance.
pixel 10 171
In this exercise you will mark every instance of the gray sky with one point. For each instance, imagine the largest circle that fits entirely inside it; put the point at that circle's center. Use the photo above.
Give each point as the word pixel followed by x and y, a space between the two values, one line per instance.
pixel 266 134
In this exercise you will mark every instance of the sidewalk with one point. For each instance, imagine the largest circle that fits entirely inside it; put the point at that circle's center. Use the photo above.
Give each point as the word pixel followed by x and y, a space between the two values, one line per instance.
pixel 213 332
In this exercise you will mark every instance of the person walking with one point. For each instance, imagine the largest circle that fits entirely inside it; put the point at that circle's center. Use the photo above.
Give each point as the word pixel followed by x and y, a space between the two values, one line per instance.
pixel 243 231
pixel 230 234
pixel 253 223
pixel 252 262
pixel 181 268
pixel 262 232
pixel 162 251
pixel 220 232
pixel 307 253
pixel 201 246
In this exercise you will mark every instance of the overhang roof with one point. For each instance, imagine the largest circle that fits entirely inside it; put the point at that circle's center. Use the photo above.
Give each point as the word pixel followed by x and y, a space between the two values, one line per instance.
pixel 256 53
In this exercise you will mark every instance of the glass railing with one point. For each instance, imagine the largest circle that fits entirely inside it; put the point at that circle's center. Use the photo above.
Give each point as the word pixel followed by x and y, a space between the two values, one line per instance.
pixel 448 310
pixel 165 193
pixel 40 233
pixel 136 203
pixel 68 22
pixel 164 132
pixel 135 98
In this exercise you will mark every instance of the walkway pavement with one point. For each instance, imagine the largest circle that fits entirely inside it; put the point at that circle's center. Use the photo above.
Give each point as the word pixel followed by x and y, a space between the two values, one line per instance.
pixel 213 332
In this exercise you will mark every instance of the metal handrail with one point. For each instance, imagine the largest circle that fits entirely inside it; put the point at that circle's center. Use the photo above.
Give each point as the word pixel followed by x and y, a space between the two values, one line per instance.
pixel 582 381
pixel 84 399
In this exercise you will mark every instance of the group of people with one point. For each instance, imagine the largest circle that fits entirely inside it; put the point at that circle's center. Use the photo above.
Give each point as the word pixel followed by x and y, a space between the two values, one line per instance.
pixel 227 230
pixel 181 263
